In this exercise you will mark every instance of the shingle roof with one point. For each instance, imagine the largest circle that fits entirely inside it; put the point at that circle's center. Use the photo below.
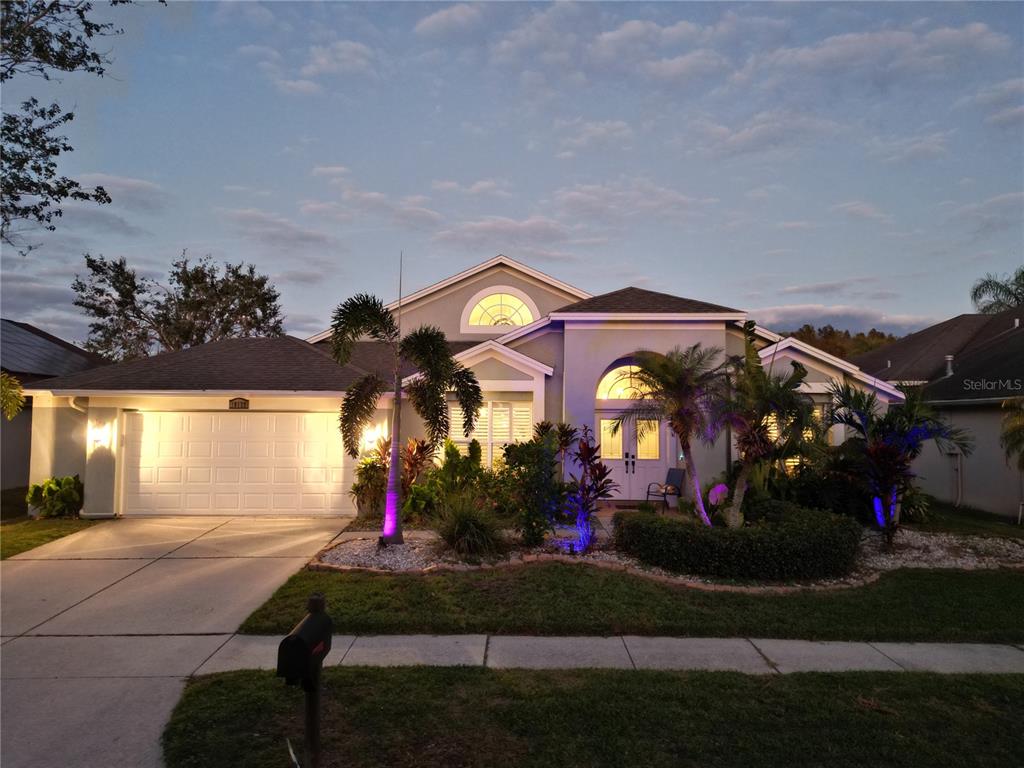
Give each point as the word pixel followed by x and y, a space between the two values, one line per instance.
pixel 33 353
pixel 375 356
pixel 993 370
pixel 921 356
pixel 641 300
pixel 281 363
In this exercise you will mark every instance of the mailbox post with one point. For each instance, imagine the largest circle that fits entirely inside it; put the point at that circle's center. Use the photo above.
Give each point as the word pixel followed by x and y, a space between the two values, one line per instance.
pixel 300 658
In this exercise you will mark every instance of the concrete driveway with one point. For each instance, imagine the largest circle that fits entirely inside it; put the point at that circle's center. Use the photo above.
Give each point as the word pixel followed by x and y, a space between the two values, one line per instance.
pixel 100 629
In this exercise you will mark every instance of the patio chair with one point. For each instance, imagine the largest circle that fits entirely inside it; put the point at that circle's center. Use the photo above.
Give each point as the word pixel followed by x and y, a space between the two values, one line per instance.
pixel 673 486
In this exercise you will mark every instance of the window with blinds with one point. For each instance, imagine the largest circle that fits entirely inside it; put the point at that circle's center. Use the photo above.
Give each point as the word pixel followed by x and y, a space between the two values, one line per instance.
pixel 497 425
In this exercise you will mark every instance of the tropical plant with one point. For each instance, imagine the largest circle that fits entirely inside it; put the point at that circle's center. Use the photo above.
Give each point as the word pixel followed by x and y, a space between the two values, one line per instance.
pixel 12 396
pixel 767 414
pixel 534 489
pixel 588 488
pixel 57 496
pixel 1012 437
pixel 997 293
pixel 680 388
pixel 438 373
pixel 457 472
pixel 370 486
pixel 885 443
pixel 467 528
pixel 565 436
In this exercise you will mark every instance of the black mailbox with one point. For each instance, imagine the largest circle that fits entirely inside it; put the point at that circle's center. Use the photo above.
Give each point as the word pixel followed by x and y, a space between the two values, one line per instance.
pixel 301 653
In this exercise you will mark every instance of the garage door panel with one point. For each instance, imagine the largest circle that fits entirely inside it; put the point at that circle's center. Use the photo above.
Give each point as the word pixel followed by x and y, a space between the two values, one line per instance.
pixel 235 463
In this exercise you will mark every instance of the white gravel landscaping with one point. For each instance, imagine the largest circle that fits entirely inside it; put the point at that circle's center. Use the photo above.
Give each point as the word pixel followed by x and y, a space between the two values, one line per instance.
pixel 912 549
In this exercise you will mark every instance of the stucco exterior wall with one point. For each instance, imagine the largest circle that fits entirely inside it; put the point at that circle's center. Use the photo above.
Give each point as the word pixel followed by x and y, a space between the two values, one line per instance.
pixel 591 349
pixel 547 348
pixel 58 439
pixel 988 482
pixel 16 448
pixel 444 307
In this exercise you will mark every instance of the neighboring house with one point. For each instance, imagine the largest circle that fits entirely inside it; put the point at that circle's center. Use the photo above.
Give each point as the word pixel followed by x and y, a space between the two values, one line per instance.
pixel 969 365
pixel 249 426
pixel 31 354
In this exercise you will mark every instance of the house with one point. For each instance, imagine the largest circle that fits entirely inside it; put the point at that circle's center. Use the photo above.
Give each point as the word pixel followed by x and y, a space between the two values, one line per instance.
pixel 968 365
pixel 30 354
pixel 249 426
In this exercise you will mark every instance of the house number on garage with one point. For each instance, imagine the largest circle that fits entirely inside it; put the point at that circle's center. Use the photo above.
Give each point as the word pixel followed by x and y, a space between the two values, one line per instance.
pixel 238 404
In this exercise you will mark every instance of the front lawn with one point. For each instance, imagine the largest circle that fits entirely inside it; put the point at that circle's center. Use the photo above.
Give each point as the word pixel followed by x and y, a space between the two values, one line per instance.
pixel 562 599
pixel 945 518
pixel 20 536
pixel 455 717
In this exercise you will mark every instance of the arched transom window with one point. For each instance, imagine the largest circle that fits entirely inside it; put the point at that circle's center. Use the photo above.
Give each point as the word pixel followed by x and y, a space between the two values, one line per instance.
pixel 621 384
pixel 500 309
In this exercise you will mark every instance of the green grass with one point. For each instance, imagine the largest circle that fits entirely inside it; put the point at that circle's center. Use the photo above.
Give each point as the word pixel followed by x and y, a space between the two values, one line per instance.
pixel 945 518
pixel 454 718
pixel 20 536
pixel 562 599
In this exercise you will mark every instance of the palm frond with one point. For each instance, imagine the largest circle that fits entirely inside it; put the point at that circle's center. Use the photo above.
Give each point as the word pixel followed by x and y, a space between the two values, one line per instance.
pixel 427 348
pixel 463 383
pixel 357 409
pixel 1012 437
pixel 356 317
pixel 997 293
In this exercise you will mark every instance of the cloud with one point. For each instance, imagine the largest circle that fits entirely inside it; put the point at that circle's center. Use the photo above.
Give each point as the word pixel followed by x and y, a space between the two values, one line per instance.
pixel 274 230
pixel 767 192
pixel 541 35
pixel 993 215
pixel 326 209
pixel 1011 117
pixel 342 57
pixel 329 170
pixel 498 187
pixel 128 192
pixel 301 86
pixel 626 197
pixel 762 132
pixel 97 219
pixel 261 52
pixel 583 133
pixel 925 147
pixel 451 20
pixel 859 209
pixel 797 225
pixel 788 317
pixel 690 66
pixel 829 287
pixel 879 57
pixel 498 234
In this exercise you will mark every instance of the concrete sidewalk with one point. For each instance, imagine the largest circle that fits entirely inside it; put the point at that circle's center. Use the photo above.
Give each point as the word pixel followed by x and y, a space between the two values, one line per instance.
pixel 749 655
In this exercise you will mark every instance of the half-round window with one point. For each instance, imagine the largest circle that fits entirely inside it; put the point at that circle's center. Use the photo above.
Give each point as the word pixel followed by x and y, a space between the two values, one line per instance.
pixel 621 384
pixel 500 309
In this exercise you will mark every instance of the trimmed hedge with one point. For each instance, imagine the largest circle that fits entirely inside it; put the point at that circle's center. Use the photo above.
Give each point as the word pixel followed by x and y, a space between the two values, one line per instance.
pixel 799 544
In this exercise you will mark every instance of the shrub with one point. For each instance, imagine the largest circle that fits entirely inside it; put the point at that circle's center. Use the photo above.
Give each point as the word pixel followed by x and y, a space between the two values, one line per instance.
pixel 535 494
pixel 57 497
pixel 456 471
pixel 800 544
pixel 421 503
pixel 587 489
pixel 370 487
pixel 467 528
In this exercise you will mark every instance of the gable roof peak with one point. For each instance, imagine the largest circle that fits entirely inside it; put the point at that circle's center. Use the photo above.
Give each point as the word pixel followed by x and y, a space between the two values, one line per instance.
pixel 644 301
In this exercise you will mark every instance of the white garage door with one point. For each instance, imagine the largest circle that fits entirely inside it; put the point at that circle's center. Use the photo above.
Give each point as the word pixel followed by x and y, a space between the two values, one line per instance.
pixel 235 464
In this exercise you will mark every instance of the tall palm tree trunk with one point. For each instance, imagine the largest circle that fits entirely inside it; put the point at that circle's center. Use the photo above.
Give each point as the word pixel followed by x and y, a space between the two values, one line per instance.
pixel 691 470
pixel 393 500
pixel 734 512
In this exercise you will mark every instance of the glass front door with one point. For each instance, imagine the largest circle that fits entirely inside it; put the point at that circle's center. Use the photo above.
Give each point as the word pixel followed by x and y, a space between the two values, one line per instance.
pixel 638 454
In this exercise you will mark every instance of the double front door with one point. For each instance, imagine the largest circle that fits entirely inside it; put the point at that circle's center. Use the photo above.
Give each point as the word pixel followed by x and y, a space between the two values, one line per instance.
pixel 638 454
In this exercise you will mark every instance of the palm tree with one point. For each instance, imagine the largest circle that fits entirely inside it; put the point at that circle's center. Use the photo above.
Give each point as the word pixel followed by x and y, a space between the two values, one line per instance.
pixel 886 443
pixel 768 415
pixel 681 389
pixel 12 397
pixel 995 293
pixel 1012 437
pixel 425 348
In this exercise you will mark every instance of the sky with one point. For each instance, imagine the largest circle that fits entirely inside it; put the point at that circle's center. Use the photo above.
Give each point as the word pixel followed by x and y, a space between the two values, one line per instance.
pixel 853 164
